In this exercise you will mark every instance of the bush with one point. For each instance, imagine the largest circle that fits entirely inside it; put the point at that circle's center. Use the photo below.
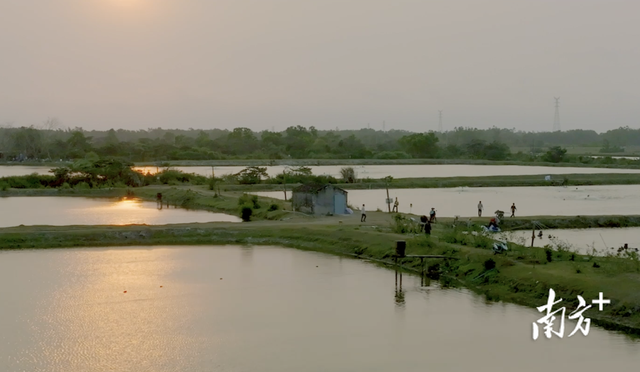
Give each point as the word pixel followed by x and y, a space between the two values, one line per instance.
pixel 392 155
pixel 82 186
pixel 4 186
pixel 489 264
pixel 348 174
pixel 403 225
pixel 245 213
pixel 244 199
pixel 254 202
pixel 273 207
pixel 65 186
pixel 549 254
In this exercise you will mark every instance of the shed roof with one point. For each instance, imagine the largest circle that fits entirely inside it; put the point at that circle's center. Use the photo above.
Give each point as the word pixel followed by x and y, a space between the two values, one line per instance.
pixel 314 188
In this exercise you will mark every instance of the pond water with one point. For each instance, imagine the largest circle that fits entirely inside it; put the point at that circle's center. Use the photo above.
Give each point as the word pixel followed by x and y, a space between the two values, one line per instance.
pixel 530 201
pixel 582 240
pixel 373 171
pixel 20 170
pixel 265 309
pixel 60 211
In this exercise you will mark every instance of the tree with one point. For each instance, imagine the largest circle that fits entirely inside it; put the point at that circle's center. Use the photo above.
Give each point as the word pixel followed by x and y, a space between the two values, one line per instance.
pixel 555 154
pixel 78 144
pixel 496 151
pixel 28 141
pixel 420 145
pixel 252 175
pixel 348 174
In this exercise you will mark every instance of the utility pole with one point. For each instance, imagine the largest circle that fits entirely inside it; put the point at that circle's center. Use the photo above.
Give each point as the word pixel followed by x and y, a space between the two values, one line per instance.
pixel 284 183
pixel 440 121
pixel 556 119
pixel 383 126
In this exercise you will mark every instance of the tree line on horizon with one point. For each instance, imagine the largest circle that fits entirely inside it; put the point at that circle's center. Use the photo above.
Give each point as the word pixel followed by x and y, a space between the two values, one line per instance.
pixel 156 144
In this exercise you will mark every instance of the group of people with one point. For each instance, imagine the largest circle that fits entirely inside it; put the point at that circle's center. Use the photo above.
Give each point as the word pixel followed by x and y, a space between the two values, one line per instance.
pixel 481 208
pixel 432 214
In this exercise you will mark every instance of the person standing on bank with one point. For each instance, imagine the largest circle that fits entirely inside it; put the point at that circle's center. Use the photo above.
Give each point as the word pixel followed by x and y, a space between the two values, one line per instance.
pixel 432 215
pixel 395 206
pixel 513 210
pixel 427 228
pixel 363 218
pixel 480 207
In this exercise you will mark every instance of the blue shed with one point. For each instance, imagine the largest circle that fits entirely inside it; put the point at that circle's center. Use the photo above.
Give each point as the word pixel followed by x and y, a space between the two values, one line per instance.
pixel 319 199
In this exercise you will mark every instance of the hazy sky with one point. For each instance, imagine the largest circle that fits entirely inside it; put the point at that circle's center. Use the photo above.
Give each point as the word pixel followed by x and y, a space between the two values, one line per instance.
pixel 330 63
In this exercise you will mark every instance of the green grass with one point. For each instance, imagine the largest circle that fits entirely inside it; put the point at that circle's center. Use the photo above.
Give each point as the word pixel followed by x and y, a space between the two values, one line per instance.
pixel 585 150
pixel 488 181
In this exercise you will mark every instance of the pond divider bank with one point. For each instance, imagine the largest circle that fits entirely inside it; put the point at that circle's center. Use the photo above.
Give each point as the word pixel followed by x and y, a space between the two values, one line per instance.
pixel 557 180
pixel 521 275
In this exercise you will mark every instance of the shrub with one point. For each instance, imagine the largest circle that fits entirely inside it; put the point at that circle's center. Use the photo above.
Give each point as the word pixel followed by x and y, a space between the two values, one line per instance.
pixel 82 186
pixel 489 264
pixel 65 186
pixel 273 207
pixel 245 213
pixel 348 174
pixel 4 186
pixel 403 225
pixel 254 202
pixel 549 254
pixel 244 199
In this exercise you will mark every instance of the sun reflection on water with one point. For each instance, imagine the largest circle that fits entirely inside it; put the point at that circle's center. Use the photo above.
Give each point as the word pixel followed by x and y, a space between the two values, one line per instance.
pixel 93 324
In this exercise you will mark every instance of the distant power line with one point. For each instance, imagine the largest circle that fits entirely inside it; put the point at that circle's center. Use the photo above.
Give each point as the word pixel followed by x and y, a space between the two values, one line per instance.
pixel 556 119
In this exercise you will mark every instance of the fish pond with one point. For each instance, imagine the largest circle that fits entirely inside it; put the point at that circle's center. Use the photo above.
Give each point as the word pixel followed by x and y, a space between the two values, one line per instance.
pixel 232 308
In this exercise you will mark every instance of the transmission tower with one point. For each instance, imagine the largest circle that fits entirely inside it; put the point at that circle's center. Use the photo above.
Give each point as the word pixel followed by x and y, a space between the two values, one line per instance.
pixel 440 121
pixel 556 119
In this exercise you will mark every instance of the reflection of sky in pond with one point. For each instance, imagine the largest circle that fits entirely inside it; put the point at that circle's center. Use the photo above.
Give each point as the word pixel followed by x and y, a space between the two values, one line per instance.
pixel 58 211
pixel 266 309
pixel 582 240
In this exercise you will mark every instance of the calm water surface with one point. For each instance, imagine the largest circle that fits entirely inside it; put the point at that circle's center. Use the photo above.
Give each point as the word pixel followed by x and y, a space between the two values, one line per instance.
pixel 60 211
pixel 582 240
pixel 264 309
pixel 20 170
pixel 373 171
pixel 530 201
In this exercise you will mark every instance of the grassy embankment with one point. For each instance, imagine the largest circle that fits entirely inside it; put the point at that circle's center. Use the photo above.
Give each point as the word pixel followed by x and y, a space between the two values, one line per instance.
pixel 487 181
pixel 420 183
pixel 587 150
pixel 522 275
